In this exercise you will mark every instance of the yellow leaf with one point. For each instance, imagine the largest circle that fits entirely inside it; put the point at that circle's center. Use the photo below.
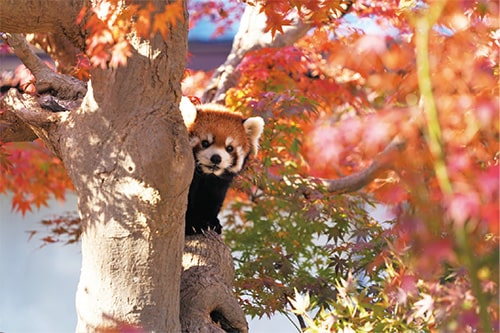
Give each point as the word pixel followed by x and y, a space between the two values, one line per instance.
pixel 300 303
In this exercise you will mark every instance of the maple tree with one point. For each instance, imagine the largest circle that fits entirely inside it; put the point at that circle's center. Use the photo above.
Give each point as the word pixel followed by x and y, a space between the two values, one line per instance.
pixel 405 120
pixel 414 108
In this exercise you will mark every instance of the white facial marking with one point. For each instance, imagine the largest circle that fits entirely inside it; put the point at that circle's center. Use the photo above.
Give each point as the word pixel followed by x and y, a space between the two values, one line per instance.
pixel 210 137
pixel 240 158
pixel 193 141
pixel 207 166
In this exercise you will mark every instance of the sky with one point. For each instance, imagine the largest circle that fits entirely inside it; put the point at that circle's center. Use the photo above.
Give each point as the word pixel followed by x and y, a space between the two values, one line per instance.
pixel 204 29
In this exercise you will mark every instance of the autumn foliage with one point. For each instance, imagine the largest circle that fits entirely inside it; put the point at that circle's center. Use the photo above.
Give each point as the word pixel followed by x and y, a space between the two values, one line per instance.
pixel 334 100
pixel 415 250
pixel 107 26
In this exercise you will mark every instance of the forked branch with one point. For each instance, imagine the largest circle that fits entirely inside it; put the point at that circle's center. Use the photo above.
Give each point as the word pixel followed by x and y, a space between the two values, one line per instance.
pixel 46 80
pixel 23 119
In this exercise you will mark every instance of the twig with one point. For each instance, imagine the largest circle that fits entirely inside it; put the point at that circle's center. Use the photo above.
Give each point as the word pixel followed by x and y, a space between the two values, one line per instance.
pixel 360 179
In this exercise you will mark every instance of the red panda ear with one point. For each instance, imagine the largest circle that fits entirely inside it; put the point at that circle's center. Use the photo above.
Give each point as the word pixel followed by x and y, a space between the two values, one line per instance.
pixel 188 111
pixel 253 129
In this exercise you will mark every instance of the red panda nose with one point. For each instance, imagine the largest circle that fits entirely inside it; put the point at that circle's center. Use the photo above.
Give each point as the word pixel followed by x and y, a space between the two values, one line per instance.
pixel 215 159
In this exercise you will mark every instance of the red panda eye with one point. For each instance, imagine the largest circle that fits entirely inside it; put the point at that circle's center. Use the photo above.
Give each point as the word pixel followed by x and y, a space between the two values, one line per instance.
pixel 205 143
pixel 229 149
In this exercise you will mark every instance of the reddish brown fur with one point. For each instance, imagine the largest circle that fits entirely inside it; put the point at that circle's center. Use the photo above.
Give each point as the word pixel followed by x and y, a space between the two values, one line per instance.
pixel 218 160
pixel 221 124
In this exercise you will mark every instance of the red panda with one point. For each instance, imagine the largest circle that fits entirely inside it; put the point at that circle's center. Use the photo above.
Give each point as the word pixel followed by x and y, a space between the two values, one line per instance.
pixel 221 141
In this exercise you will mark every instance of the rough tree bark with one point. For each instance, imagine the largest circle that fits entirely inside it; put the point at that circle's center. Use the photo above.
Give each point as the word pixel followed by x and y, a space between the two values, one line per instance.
pixel 207 301
pixel 125 149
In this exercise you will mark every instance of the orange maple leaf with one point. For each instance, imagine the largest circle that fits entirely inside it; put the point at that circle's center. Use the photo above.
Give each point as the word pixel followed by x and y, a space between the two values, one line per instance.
pixel 172 14
pixel 21 204
pixel 119 54
pixel 143 21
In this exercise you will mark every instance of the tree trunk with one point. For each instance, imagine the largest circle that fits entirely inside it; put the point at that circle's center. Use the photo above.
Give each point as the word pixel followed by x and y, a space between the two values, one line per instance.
pixel 129 160
pixel 207 300
pixel 131 165
pixel 126 151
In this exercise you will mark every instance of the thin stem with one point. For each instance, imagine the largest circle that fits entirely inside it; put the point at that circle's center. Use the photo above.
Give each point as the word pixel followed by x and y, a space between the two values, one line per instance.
pixel 473 269
pixel 299 329
pixel 424 24
pixel 434 139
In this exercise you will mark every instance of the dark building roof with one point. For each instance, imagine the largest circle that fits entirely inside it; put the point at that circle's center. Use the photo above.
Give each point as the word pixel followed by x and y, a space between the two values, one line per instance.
pixel 207 55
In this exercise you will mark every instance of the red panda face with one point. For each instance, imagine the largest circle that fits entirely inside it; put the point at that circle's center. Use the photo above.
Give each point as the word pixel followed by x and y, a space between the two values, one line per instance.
pixel 222 140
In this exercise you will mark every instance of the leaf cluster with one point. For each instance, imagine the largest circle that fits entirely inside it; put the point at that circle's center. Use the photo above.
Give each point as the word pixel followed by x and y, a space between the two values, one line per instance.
pixel 108 25
pixel 32 174
pixel 315 12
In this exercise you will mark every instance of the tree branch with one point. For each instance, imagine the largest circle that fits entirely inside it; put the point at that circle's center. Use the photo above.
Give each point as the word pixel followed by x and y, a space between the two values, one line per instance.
pixel 47 81
pixel 24 117
pixel 251 36
pixel 358 180
pixel 25 120
pixel 59 48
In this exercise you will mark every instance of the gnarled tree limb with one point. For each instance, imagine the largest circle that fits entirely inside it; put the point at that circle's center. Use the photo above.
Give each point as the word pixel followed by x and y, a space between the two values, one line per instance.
pixel 59 48
pixel 25 117
pixel 32 120
pixel 47 81
pixel 207 301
